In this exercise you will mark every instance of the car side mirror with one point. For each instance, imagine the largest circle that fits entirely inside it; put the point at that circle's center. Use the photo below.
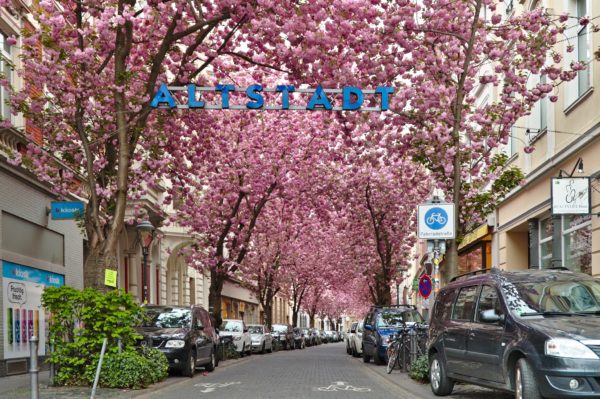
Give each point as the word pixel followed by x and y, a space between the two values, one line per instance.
pixel 490 316
pixel 217 331
pixel 368 327
pixel 246 330
pixel 352 331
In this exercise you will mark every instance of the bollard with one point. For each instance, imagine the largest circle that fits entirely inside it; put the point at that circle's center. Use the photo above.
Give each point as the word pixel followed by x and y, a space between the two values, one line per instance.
pixel 413 344
pixel 33 367
pixel 51 366
pixel 98 369
pixel 120 345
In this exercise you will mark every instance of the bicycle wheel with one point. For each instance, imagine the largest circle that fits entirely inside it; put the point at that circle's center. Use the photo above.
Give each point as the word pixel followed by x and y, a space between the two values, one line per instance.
pixel 393 359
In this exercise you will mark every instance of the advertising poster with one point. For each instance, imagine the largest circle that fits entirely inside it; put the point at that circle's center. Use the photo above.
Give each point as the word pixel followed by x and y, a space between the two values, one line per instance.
pixel 22 288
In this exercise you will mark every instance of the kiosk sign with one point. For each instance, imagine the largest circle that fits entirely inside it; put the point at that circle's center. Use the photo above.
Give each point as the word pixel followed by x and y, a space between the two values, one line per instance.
pixel 436 221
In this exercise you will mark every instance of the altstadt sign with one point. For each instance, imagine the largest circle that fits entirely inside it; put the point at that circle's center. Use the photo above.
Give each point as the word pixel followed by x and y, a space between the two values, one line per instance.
pixel 353 98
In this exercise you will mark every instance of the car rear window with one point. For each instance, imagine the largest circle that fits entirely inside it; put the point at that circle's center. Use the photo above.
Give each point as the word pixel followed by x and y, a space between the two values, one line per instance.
pixel 464 306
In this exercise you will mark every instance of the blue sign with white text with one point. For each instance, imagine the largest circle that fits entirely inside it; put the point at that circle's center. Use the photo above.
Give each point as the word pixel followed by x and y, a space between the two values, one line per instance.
pixel 15 271
pixel 67 210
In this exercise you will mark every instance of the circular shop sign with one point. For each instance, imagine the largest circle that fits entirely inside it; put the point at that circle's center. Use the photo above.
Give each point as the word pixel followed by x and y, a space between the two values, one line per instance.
pixel 436 218
pixel 425 286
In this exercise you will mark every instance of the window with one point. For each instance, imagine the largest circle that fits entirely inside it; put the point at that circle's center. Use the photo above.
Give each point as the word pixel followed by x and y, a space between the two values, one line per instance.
pixel 6 72
pixel 488 299
pixel 583 50
pixel 576 242
pixel 465 304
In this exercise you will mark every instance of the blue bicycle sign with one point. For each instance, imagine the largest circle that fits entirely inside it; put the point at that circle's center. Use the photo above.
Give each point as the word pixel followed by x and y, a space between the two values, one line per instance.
pixel 436 218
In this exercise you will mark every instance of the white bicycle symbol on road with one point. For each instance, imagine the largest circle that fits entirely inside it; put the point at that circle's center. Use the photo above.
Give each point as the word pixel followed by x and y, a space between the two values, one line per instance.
pixel 342 386
pixel 436 218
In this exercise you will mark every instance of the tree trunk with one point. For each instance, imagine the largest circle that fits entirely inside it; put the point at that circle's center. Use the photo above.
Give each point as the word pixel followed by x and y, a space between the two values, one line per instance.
pixel 268 309
pixel 214 296
pixel 95 265
pixel 451 264
pixel 312 320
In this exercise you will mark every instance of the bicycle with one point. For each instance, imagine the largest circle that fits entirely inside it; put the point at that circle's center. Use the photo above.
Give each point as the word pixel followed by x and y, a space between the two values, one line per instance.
pixel 399 351
pixel 435 218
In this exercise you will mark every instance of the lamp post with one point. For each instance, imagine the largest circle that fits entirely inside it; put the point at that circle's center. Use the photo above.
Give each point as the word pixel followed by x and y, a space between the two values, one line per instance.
pixel 145 232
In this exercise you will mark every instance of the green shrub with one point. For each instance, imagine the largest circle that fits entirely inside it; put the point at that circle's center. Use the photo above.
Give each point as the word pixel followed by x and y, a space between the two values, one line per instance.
pixel 80 321
pixel 130 369
pixel 419 369
pixel 230 351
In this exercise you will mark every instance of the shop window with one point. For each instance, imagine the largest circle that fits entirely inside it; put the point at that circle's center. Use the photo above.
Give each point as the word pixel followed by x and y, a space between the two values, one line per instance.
pixel 576 242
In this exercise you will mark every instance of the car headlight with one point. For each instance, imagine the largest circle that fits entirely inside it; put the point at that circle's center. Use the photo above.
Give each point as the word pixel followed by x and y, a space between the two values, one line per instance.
pixel 175 343
pixel 237 338
pixel 359 335
pixel 565 347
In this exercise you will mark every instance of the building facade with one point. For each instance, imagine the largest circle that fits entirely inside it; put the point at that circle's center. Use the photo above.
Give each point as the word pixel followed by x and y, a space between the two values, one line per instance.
pixel 566 138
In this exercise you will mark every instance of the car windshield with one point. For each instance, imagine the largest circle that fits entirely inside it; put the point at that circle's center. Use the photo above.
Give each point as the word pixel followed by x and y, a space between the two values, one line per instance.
pixel 168 318
pixel 279 328
pixel 231 326
pixel 255 329
pixel 397 319
pixel 560 296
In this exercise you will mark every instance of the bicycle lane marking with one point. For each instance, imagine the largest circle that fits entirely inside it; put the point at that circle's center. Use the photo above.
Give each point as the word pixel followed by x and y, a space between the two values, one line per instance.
pixel 343 386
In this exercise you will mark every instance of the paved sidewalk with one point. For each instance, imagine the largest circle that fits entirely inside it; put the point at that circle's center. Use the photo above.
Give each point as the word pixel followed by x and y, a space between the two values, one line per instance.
pixel 19 386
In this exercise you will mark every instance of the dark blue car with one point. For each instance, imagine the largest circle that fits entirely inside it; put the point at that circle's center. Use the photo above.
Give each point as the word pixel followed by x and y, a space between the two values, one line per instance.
pixel 380 323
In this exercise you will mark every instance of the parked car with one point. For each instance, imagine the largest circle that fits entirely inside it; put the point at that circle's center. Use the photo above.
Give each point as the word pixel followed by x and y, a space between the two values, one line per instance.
pixel 349 335
pixel 239 332
pixel 329 334
pixel 299 342
pixel 380 323
pixel 261 338
pixel 316 337
pixel 356 347
pixel 536 333
pixel 185 335
pixel 285 334
pixel 308 338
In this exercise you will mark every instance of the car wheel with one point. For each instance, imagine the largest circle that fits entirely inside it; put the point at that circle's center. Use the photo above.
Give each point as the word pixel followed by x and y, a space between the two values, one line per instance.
pixel 190 365
pixel 303 345
pixel 249 351
pixel 210 366
pixel 366 358
pixel 441 385
pixel 243 350
pixel 526 386
pixel 264 350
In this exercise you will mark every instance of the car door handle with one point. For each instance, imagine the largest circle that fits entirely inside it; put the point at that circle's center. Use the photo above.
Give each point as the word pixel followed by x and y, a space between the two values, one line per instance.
pixel 472 335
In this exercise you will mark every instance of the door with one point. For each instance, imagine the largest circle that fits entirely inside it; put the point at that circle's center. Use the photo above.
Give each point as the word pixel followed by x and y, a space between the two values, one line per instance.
pixel 457 328
pixel 485 343
pixel 369 341
pixel 202 339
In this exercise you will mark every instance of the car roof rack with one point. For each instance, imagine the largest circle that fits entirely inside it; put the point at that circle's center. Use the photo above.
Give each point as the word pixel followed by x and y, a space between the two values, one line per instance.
pixel 475 272
pixel 557 268
pixel 393 306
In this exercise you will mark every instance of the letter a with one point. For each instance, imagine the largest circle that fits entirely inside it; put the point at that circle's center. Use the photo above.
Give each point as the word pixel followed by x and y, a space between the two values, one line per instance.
pixel 319 98
pixel 162 96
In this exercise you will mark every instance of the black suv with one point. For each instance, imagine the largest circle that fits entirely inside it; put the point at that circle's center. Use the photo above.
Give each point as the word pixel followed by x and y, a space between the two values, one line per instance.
pixel 380 323
pixel 534 332
pixel 186 336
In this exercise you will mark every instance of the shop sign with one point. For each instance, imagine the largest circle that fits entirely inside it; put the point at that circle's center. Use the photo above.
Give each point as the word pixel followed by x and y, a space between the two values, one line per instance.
pixel 571 196
pixel 475 235
pixel 67 210
pixel 436 221
pixel 352 98
pixel 24 316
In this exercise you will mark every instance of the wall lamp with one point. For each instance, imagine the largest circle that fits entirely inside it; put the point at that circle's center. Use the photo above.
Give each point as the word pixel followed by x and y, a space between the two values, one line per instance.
pixel 578 166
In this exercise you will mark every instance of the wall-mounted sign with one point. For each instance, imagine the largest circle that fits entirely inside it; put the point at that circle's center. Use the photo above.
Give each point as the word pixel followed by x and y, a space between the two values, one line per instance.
pixel 67 210
pixel 292 98
pixel 436 221
pixel 24 316
pixel 571 196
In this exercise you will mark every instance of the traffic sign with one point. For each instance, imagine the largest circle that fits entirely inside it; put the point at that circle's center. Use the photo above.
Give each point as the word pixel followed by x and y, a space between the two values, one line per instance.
pixel 436 221
pixel 425 286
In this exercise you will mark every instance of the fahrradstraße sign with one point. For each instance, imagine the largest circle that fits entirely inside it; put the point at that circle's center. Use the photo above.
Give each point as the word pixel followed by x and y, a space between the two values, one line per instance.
pixel 436 221
pixel 571 196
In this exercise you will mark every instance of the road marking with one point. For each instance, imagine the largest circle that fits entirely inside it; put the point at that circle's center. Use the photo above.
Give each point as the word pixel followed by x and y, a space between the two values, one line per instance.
pixel 342 386
pixel 212 386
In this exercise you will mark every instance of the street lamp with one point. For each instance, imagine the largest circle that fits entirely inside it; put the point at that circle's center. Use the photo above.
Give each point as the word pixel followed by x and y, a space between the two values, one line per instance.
pixel 145 232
